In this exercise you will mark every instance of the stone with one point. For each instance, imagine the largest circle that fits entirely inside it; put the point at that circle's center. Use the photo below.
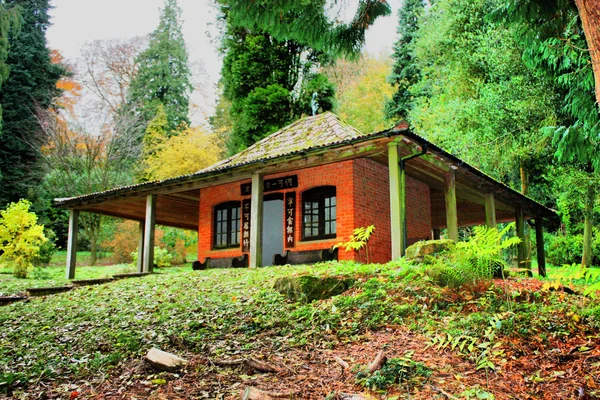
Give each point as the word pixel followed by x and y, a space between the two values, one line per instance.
pixel 419 250
pixel 163 361
pixel 309 288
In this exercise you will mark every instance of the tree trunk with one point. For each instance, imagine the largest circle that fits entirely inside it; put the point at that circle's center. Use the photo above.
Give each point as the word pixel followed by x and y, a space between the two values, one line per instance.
pixel 589 13
pixel 93 248
pixel 586 259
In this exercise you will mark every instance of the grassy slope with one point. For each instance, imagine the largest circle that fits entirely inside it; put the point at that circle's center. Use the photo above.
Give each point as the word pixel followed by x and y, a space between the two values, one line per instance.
pixel 220 313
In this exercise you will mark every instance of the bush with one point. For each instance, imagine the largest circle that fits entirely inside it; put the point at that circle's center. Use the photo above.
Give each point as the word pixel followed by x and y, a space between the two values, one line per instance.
pixel 567 249
pixel 162 258
pixel 20 237
pixel 473 261
pixel 47 249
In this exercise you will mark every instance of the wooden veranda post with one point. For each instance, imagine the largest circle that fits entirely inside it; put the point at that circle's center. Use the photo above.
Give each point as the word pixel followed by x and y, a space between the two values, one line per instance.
pixel 256 221
pixel 451 211
pixel 539 243
pixel 72 243
pixel 397 193
pixel 148 263
pixel 522 249
pixel 490 210
pixel 140 258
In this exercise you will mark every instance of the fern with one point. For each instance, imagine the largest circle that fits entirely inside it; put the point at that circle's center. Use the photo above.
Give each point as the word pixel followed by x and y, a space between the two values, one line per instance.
pixel 473 261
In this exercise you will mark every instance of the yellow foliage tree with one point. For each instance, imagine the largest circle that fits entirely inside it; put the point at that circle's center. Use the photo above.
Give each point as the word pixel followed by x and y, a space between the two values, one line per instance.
pixel 362 90
pixel 20 237
pixel 190 151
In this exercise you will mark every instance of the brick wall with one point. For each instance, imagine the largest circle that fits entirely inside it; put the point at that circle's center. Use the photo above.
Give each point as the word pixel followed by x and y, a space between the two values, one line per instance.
pixel 418 211
pixel 372 207
pixel 362 191
pixel 339 175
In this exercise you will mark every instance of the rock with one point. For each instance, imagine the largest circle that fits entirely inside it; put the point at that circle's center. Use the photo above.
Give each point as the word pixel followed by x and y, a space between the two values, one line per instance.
pixel 419 250
pixel 163 361
pixel 308 288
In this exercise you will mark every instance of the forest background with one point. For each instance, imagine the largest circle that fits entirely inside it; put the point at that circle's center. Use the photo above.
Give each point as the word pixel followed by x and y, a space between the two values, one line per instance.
pixel 508 86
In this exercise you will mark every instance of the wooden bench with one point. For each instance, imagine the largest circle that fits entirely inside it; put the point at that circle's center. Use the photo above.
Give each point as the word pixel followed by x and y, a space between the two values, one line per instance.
pixel 305 257
pixel 223 262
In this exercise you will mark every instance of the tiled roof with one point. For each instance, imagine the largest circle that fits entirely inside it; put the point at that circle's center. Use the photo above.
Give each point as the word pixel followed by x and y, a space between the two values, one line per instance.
pixel 305 134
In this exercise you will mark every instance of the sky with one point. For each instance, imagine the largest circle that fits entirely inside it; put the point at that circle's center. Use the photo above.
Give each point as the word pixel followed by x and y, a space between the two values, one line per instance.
pixel 75 22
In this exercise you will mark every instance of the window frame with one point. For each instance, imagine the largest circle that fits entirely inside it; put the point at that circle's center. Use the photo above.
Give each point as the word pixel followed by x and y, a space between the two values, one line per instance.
pixel 319 195
pixel 227 206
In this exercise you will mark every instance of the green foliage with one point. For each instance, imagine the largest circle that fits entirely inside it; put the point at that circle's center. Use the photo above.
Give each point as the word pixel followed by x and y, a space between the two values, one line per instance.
pixel 358 240
pixel 47 249
pixel 163 77
pixel 20 237
pixel 162 258
pixel 10 21
pixel 406 71
pixel 553 40
pixel 306 22
pixel 31 84
pixel 475 96
pixel 268 82
pixel 396 371
pixel 475 260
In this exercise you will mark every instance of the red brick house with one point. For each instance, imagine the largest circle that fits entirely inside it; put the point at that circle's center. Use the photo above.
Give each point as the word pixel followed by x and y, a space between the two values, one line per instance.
pixel 307 187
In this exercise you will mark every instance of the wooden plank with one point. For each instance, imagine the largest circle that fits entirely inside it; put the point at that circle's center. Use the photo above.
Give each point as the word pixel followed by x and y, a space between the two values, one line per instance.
pixel 490 210
pixel 148 263
pixel 256 221
pixel 72 243
pixel 539 239
pixel 451 211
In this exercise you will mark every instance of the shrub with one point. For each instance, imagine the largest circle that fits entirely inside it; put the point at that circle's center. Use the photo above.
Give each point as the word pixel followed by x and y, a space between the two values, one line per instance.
pixel 124 242
pixel 47 249
pixel 162 258
pixel 567 249
pixel 473 261
pixel 20 237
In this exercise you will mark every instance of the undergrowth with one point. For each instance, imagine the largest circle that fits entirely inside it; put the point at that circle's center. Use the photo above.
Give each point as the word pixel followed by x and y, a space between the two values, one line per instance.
pixel 92 330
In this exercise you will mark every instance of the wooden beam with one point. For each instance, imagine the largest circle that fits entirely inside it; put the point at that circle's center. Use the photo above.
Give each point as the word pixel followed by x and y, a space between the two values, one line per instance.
pixel 140 258
pixel 451 211
pixel 72 244
pixel 256 221
pixel 539 243
pixel 396 204
pixel 490 210
pixel 148 263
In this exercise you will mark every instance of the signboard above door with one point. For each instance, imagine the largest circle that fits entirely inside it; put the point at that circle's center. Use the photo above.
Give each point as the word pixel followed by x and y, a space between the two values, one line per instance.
pixel 270 185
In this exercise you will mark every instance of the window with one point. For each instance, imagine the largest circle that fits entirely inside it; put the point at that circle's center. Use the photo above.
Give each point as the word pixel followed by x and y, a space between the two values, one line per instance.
pixel 318 213
pixel 227 225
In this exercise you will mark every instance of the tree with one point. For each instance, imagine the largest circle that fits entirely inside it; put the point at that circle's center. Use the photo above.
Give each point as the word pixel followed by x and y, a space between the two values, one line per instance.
pixel 186 153
pixel 273 54
pixel 553 35
pixel 269 84
pixel 31 84
pixel 163 76
pixel 20 237
pixel 10 21
pixel 313 23
pixel 362 91
pixel 405 72
pixel 79 163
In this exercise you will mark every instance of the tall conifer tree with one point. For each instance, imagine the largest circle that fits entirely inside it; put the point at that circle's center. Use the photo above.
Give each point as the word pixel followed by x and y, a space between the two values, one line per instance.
pixel 31 84
pixel 163 77
pixel 405 71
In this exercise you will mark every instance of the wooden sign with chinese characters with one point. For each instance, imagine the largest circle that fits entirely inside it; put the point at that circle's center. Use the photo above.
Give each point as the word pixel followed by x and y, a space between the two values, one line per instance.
pixel 270 185
pixel 246 225
pixel 290 219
